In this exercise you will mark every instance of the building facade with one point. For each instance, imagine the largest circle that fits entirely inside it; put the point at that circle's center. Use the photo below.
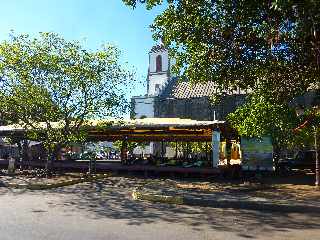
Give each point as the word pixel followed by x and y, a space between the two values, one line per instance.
pixel 170 97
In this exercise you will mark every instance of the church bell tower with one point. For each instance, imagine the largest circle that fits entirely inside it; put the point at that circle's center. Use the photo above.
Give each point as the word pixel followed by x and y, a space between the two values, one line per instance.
pixel 159 70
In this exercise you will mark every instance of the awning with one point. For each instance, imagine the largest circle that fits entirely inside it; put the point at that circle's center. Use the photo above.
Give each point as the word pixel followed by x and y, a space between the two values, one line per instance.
pixel 143 130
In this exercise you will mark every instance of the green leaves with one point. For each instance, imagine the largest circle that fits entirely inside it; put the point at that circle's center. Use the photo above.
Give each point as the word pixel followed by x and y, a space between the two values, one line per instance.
pixel 268 48
pixel 242 43
pixel 49 79
pixel 259 117
pixel 149 3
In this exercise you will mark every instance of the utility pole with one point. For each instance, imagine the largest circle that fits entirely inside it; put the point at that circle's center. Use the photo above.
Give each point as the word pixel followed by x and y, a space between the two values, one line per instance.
pixel 317 157
pixel 299 112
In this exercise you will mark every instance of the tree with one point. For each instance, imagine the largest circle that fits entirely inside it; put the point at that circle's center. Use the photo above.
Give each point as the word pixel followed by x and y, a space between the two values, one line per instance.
pixel 259 117
pixel 269 48
pixel 240 43
pixel 51 86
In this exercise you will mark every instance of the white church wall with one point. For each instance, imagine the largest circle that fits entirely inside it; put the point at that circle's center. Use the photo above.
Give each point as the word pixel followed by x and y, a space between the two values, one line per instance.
pixel 156 83
pixel 144 106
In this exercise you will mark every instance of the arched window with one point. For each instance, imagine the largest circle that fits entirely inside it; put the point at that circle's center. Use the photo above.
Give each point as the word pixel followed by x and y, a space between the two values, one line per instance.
pixel 159 63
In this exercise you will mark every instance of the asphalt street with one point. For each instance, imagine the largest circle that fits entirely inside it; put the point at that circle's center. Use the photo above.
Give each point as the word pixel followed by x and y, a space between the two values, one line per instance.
pixel 94 211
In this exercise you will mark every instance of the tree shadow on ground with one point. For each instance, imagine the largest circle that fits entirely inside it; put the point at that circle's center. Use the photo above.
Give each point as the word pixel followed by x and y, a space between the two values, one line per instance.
pixel 111 200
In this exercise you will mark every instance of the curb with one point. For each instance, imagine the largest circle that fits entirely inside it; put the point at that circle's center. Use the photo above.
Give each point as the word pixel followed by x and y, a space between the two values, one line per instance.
pixel 234 204
pixel 55 185
pixel 136 195
pixel 228 188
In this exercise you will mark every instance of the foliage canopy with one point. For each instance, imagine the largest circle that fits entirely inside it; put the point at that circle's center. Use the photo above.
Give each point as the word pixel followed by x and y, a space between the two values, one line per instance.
pixel 271 49
pixel 49 79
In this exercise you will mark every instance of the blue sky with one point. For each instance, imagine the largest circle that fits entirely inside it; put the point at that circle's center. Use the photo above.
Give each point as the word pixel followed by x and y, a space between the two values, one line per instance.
pixel 93 21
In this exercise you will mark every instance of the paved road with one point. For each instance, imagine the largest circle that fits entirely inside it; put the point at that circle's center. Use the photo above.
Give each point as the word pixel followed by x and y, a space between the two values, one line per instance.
pixel 94 211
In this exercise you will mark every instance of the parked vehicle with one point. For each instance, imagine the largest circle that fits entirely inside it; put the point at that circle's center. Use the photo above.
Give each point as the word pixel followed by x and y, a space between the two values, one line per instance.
pixel 302 161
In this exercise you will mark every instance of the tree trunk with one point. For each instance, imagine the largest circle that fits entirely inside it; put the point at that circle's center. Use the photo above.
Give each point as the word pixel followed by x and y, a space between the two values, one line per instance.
pixel 25 156
pixel 124 148
pixel 317 157
pixel 20 154
pixel 49 164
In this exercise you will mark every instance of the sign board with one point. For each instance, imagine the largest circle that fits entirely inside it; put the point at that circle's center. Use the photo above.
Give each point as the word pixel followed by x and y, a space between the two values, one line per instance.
pixel 257 153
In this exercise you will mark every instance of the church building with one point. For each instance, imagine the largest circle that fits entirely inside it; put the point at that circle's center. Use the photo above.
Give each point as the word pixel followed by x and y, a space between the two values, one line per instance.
pixel 170 97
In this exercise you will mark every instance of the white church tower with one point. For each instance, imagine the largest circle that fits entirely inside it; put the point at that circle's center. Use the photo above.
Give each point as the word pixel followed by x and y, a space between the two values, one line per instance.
pixel 159 70
pixel 158 77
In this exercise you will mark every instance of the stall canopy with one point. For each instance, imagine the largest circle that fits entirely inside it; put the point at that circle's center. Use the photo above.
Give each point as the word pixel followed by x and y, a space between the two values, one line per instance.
pixel 147 129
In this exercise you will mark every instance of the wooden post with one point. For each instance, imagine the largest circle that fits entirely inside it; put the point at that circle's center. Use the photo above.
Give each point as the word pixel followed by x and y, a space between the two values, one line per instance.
pixel 317 157
pixel 25 156
pixel 207 158
pixel 176 150
pixel 188 145
pixel 162 154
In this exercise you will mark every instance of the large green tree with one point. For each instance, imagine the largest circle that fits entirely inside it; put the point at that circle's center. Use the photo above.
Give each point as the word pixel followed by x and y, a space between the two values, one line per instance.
pixel 269 48
pixel 259 117
pixel 51 86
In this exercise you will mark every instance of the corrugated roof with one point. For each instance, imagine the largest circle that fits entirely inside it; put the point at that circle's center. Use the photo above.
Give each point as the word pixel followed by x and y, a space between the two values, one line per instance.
pixel 129 124
pixel 168 122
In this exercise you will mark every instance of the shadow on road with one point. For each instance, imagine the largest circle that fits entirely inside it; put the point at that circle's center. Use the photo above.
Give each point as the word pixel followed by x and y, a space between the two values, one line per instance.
pixel 111 200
